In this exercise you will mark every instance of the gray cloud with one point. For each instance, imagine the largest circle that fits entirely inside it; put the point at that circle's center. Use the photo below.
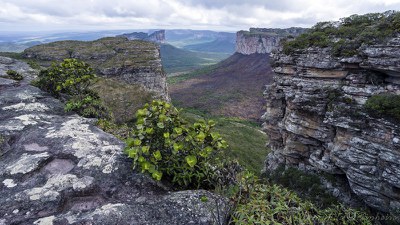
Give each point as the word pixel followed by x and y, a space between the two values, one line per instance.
pixel 207 14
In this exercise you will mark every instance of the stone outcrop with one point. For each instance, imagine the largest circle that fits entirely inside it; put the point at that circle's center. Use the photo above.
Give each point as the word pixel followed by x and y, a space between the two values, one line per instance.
pixel 134 62
pixel 58 168
pixel 156 36
pixel 263 40
pixel 315 118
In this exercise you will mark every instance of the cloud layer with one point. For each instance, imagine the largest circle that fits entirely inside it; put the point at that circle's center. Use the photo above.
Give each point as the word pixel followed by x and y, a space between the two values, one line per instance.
pixel 207 14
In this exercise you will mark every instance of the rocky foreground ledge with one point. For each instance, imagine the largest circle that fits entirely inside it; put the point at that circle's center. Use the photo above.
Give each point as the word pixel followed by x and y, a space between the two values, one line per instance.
pixel 58 168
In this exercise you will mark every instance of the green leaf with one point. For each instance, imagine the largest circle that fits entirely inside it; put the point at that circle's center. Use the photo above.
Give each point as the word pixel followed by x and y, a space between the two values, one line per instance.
pixel 178 130
pixel 166 135
pixel 137 142
pixel 149 130
pixel 201 136
pixel 191 160
pixel 141 159
pixel 160 125
pixel 157 175
pixel 130 142
pixel 157 155
pixel 145 165
pixel 145 149
pixel 132 153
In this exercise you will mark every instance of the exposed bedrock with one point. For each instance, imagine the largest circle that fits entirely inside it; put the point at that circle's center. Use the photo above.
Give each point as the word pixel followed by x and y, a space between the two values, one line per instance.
pixel 315 118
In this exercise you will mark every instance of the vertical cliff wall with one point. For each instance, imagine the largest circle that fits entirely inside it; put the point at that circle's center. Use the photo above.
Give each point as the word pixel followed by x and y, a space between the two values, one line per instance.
pixel 262 40
pixel 315 118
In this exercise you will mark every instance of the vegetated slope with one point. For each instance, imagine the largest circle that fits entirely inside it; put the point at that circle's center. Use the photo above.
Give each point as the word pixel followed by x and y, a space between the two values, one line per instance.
pixel 177 60
pixel 222 46
pixel 233 88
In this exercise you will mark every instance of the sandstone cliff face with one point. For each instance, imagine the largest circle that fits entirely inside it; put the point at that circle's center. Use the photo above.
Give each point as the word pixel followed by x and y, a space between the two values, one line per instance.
pixel 57 168
pixel 262 40
pixel 133 61
pixel 315 118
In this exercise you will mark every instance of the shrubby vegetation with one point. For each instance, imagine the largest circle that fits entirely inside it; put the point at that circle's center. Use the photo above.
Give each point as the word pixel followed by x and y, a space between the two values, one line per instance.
pixel 69 81
pixel 384 105
pixel 347 35
pixel 12 74
pixel 164 145
pixel 272 204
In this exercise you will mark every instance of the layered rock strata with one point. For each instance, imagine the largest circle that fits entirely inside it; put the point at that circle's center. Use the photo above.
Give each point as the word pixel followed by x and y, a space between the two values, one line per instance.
pixel 131 61
pixel 315 118
pixel 58 168
pixel 263 40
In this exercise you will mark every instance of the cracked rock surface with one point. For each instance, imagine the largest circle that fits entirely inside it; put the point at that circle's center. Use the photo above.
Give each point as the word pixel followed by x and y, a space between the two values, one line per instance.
pixel 58 168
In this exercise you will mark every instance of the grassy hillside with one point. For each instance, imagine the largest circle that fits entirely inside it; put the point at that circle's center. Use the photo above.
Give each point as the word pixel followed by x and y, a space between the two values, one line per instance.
pixel 231 88
pixel 177 60
pixel 246 140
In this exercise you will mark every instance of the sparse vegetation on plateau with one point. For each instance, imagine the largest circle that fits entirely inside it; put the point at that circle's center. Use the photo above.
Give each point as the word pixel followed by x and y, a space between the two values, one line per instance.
pixel 349 34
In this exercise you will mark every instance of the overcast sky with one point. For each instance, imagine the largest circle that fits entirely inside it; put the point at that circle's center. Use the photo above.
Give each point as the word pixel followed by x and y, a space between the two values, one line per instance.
pixel 223 15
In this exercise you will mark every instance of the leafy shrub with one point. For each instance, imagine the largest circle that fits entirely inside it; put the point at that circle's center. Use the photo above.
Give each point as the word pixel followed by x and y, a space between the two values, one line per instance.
pixel 387 105
pixel 70 77
pixel 164 145
pixel 346 36
pixel 70 80
pixel 272 204
pixel 87 104
pixel 12 74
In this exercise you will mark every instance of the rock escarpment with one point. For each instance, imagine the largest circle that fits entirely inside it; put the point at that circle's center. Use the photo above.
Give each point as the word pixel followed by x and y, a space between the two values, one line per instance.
pixel 315 118
pixel 58 168
pixel 134 62
pixel 263 40
pixel 157 36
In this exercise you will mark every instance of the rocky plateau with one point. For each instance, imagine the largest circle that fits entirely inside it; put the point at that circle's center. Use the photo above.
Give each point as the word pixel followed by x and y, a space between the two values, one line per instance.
pixel 130 61
pixel 263 40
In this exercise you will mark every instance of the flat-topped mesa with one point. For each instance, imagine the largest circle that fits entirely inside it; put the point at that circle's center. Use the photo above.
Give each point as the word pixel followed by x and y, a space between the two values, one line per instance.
pixel 156 36
pixel 263 40
pixel 316 117
pixel 130 61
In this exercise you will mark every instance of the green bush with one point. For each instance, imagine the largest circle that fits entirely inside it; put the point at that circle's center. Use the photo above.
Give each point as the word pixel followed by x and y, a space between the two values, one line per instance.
pixel 385 105
pixel 87 104
pixel 12 74
pixel 71 77
pixel 69 80
pixel 165 146
pixel 272 204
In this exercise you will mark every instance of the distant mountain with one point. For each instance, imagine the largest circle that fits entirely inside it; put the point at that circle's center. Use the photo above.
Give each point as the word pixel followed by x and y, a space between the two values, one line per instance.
pixel 233 87
pixel 176 60
pixel 156 36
